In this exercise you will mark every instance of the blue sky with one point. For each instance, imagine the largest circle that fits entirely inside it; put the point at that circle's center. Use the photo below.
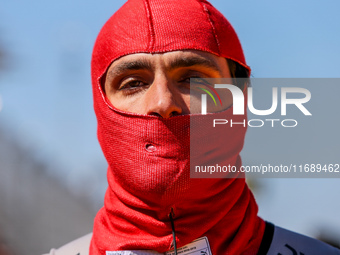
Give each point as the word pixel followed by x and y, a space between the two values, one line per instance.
pixel 47 101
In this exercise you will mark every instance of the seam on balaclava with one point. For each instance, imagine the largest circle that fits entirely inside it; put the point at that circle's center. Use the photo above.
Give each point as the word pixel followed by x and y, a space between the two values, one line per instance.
pixel 150 24
pixel 206 11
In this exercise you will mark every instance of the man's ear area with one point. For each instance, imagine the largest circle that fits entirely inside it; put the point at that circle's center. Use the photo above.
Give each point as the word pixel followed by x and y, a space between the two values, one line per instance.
pixel 239 73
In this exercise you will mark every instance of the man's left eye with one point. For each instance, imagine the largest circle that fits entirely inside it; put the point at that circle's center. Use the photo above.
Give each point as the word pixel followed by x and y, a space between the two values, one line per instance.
pixel 200 81
pixel 187 80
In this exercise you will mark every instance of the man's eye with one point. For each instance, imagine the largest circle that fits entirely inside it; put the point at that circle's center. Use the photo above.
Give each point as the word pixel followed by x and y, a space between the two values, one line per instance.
pixel 200 81
pixel 132 85
pixel 187 79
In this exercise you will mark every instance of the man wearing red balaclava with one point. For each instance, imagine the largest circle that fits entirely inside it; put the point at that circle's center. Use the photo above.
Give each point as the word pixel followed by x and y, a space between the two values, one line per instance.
pixel 142 63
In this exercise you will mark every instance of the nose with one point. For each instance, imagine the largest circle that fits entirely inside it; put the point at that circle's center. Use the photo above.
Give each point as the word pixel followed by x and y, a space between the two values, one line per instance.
pixel 164 99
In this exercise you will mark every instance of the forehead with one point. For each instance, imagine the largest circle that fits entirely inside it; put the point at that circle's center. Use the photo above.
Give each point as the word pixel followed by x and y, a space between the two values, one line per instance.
pixel 169 60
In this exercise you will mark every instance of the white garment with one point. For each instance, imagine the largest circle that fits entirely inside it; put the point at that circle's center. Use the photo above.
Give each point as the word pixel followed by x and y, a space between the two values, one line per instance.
pixel 79 246
pixel 284 242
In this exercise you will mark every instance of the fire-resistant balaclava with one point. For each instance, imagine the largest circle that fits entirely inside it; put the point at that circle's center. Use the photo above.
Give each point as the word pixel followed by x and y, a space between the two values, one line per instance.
pixel 148 186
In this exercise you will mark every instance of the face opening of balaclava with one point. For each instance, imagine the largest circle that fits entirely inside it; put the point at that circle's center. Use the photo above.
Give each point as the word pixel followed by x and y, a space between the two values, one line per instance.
pixel 148 186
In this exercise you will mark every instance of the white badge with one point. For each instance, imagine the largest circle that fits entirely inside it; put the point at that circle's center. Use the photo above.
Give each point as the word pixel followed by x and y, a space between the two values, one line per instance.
pixel 198 247
pixel 139 252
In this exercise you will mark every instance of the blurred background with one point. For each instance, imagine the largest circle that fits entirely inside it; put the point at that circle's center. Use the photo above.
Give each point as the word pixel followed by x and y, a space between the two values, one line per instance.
pixel 52 172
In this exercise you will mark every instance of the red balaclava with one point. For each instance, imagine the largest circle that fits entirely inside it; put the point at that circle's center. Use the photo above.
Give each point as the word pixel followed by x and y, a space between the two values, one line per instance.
pixel 149 156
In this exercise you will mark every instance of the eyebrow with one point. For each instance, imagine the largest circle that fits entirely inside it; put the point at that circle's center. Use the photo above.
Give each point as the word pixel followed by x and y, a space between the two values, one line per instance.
pixel 178 62
pixel 139 64
pixel 194 61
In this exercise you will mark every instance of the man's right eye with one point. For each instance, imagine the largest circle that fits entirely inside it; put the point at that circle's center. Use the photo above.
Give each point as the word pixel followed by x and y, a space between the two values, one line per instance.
pixel 132 85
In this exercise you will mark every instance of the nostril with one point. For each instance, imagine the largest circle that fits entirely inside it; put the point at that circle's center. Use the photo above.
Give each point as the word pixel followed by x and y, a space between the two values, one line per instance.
pixel 150 147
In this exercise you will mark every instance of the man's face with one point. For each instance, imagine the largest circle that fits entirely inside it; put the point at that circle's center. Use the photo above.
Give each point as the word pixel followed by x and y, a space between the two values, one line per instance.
pixel 159 84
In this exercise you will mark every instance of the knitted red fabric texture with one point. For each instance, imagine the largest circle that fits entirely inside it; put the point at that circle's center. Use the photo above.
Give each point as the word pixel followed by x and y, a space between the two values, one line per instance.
pixel 145 185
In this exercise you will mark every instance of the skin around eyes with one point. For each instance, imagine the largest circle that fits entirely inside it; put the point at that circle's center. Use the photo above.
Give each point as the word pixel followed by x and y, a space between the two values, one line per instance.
pixel 140 79
pixel 157 84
